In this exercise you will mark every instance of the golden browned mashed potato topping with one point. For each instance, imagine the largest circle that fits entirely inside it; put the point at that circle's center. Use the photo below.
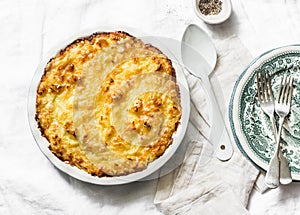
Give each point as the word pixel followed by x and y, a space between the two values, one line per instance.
pixel 108 104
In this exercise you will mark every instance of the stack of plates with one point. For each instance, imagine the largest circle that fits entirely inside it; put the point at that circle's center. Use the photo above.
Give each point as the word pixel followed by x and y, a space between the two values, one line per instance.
pixel 251 128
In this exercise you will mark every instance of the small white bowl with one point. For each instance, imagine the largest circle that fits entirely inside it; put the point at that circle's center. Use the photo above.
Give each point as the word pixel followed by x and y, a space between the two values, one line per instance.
pixel 214 19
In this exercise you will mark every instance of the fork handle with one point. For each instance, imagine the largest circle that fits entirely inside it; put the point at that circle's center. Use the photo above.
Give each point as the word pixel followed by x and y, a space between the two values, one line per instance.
pixel 272 175
pixel 278 169
pixel 273 171
pixel 285 172
pixel 277 136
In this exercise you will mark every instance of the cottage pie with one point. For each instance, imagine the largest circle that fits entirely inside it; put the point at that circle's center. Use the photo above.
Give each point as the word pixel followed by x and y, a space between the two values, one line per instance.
pixel 108 104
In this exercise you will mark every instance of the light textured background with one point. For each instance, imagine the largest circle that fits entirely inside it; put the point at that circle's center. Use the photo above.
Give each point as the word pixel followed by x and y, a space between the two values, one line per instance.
pixel 29 184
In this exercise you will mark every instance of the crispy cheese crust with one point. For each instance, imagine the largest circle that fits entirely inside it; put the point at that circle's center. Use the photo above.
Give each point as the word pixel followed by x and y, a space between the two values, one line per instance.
pixel 152 113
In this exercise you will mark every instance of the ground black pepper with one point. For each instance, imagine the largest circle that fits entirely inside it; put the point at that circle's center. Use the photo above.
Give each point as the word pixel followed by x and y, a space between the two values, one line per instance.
pixel 210 7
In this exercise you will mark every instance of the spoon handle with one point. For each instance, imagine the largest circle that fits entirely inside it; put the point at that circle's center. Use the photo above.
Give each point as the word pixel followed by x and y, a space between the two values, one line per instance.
pixel 224 149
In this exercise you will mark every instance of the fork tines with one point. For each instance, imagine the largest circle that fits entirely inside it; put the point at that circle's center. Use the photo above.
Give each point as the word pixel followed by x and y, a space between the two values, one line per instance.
pixel 264 88
pixel 285 90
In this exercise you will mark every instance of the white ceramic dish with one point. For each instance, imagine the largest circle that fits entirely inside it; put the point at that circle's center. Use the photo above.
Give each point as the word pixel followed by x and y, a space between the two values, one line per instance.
pixel 82 175
pixel 214 19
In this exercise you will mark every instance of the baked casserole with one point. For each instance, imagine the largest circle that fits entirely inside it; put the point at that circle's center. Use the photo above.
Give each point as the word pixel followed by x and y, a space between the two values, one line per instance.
pixel 108 104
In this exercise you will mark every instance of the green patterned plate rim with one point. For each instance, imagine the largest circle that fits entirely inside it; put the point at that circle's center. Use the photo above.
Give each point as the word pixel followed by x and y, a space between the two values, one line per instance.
pixel 250 127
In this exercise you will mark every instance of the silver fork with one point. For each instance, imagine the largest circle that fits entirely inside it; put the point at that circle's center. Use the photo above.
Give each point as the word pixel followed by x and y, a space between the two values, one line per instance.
pixel 283 108
pixel 277 169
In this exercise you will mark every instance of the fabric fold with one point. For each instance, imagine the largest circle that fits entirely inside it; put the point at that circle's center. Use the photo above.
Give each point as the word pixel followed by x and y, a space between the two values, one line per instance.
pixel 203 184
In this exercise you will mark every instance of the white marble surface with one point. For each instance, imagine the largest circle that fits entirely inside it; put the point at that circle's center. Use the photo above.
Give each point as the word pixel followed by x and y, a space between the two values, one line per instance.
pixel 29 184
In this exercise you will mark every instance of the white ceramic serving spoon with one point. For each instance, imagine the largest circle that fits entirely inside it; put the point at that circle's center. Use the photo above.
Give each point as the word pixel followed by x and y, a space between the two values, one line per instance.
pixel 199 56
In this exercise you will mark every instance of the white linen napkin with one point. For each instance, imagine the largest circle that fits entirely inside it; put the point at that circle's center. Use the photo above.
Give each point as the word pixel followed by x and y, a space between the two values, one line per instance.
pixel 203 184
